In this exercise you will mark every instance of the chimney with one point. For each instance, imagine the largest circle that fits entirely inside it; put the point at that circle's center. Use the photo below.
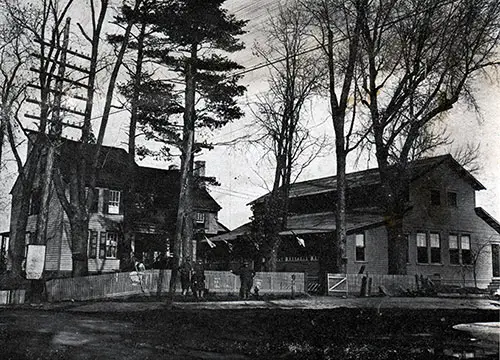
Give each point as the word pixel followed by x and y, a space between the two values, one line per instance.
pixel 199 172
pixel 199 168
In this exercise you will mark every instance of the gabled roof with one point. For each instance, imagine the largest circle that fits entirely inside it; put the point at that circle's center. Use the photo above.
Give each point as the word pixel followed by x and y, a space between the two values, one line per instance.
pixel 371 177
pixel 112 163
pixel 167 182
pixel 112 172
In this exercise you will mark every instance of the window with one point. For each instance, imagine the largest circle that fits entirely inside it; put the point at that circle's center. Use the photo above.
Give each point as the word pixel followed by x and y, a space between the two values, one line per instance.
pixel 35 202
pixel 460 252
pixel 111 245
pixel 435 248
pixel 93 235
pixel 102 245
pixel 106 247
pixel 360 247
pixel 454 251
pixel 465 247
pixel 422 255
pixel 199 217
pixel 114 202
pixel 435 197
pixel 452 199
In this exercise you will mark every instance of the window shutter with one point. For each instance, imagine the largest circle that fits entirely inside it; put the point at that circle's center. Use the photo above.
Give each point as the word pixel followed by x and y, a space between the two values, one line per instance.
pixel 120 209
pixel 102 246
pixel 105 201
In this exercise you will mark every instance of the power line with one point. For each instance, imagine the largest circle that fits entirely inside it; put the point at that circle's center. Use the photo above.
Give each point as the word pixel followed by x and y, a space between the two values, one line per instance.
pixel 318 47
pixel 335 41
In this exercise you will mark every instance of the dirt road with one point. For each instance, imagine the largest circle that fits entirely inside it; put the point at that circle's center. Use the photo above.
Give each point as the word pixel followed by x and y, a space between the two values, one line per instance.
pixel 283 329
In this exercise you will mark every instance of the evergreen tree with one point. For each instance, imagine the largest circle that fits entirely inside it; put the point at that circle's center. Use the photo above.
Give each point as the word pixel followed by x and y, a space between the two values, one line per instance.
pixel 199 32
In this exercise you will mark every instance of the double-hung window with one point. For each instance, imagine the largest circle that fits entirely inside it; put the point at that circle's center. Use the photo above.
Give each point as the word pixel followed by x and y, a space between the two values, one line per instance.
pixel 111 245
pixel 107 247
pixel 435 248
pixel 422 253
pixel 460 249
pixel 465 249
pixel 199 217
pixel 114 202
pixel 360 247
pixel 454 249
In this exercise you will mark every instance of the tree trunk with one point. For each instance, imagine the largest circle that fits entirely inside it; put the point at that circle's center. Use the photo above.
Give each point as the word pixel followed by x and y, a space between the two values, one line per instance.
pixel 393 188
pixel 26 179
pixel 129 193
pixel 16 250
pixel 338 265
pixel 397 246
pixel 182 246
pixel 79 234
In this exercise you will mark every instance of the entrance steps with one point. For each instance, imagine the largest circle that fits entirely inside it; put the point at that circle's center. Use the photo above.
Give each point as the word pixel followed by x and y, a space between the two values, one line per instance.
pixel 494 285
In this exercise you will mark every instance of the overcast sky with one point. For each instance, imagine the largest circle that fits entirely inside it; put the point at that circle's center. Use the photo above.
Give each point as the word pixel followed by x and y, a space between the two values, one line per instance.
pixel 239 170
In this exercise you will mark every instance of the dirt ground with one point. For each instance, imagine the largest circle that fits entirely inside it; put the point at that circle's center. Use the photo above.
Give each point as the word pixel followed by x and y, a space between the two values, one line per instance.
pixel 253 333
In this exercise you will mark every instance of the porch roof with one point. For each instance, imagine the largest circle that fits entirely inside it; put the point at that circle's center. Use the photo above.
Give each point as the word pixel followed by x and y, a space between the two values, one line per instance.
pixel 490 220
pixel 312 224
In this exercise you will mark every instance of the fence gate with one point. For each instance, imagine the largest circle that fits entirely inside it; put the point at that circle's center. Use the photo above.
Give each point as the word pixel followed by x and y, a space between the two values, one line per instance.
pixel 337 284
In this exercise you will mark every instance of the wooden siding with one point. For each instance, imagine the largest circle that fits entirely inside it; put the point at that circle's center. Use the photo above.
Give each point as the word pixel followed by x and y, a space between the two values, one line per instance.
pixel 375 252
pixel 442 219
pixel 445 220
pixel 54 232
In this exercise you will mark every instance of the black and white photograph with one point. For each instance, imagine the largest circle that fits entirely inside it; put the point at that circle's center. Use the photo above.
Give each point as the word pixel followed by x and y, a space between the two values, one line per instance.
pixel 249 179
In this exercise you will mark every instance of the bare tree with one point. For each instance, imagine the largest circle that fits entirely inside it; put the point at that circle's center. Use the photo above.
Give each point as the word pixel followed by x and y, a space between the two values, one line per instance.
pixel 279 118
pixel 78 202
pixel 417 59
pixel 41 23
pixel 338 32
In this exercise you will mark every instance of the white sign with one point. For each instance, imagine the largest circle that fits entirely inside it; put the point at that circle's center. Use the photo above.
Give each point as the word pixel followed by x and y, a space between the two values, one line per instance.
pixel 35 262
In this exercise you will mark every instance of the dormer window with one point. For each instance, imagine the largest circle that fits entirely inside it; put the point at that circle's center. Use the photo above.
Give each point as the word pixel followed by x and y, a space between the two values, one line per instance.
pixel 199 218
pixel 435 197
pixel 113 202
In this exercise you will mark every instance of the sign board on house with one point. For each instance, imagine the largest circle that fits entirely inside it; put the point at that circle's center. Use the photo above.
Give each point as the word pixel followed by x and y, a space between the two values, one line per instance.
pixel 35 262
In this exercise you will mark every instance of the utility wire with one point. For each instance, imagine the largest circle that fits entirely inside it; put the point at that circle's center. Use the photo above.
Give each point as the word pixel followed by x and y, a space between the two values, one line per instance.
pixel 318 47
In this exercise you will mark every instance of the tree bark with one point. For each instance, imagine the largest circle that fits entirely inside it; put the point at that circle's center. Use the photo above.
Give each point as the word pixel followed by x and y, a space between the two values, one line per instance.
pixel 182 245
pixel 79 225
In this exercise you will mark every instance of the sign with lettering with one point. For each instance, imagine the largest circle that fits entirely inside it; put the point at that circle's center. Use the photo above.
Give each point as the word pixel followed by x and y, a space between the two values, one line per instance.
pixel 35 262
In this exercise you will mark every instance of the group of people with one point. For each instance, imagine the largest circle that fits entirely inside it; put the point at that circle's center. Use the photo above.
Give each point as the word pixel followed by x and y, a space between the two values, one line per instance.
pixel 193 278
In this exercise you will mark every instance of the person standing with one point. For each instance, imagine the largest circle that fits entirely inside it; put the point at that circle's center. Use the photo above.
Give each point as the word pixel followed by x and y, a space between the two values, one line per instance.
pixel 185 272
pixel 198 279
pixel 246 280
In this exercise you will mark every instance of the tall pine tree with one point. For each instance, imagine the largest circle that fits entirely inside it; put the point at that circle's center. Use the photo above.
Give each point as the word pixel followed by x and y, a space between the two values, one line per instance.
pixel 200 33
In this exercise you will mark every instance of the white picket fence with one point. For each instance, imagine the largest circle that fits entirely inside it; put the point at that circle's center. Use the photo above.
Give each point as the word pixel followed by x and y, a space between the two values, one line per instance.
pixel 9 297
pixel 150 282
